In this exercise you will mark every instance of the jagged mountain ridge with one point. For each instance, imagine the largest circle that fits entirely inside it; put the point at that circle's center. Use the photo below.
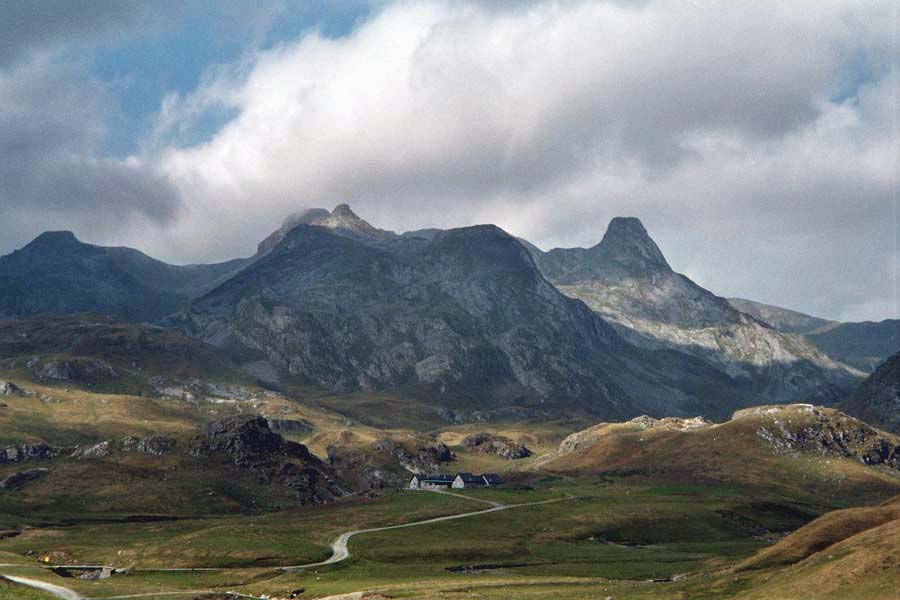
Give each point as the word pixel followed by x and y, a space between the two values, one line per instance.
pixel 461 315
pixel 495 316
pixel 626 279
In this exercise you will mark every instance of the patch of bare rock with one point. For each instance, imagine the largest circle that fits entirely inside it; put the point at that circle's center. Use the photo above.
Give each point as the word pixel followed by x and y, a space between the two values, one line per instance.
pixel 488 443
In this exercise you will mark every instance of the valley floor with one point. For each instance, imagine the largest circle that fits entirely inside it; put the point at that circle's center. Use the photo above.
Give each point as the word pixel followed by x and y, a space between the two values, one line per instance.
pixel 583 540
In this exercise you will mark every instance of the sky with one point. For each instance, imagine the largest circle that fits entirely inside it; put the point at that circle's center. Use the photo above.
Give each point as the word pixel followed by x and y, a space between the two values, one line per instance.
pixel 758 142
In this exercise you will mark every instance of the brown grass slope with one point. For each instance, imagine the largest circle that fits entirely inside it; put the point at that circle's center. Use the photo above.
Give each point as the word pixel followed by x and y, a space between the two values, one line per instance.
pixel 798 450
pixel 846 554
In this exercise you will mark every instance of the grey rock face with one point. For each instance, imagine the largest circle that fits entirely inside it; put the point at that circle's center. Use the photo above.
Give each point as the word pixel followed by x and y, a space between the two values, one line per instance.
pixel 626 280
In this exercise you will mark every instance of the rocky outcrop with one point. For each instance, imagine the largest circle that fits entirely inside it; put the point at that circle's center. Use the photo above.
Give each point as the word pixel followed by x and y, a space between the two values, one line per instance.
pixel 246 442
pixel 81 369
pixel 98 450
pixel 196 390
pixel 155 445
pixel 804 428
pixel 18 480
pixel 877 400
pixel 25 452
pixel 487 443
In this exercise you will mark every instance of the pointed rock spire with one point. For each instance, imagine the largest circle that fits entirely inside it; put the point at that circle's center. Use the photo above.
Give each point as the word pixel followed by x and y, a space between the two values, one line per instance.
pixel 627 243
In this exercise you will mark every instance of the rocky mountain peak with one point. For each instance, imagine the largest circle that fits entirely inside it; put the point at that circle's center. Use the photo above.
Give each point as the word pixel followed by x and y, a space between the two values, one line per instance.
pixel 628 244
pixel 342 220
pixel 54 240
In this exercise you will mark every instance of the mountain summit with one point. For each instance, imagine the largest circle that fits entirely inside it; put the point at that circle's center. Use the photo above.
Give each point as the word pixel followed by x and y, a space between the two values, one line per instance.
pixel 628 245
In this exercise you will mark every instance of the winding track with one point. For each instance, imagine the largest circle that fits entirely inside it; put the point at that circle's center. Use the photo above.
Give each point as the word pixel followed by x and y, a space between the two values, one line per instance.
pixel 55 590
pixel 339 550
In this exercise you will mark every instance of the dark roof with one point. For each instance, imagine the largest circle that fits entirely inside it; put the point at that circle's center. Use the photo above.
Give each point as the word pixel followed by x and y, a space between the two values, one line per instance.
pixel 492 478
pixel 470 478
pixel 436 477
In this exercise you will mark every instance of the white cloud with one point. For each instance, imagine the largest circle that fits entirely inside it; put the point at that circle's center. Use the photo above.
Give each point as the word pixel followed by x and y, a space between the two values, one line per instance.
pixel 738 131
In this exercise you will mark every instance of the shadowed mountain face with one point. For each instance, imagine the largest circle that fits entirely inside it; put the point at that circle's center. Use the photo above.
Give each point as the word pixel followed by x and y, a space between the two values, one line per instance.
pixel 626 279
pixel 877 401
pixel 462 316
pixel 56 274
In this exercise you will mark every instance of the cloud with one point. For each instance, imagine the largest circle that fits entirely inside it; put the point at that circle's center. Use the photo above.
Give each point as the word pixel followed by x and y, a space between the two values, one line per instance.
pixel 34 25
pixel 53 176
pixel 755 140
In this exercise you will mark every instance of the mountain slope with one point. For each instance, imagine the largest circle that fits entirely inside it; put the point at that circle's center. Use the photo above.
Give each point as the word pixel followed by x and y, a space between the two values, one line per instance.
pixel 863 345
pixel 782 319
pixel 56 274
pixel 462 317
pixel 877 400
pixel 626 279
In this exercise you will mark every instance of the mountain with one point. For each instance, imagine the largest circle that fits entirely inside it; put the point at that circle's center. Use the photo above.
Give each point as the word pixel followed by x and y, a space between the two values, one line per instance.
pixel 627 280
pixel 58 274
pixel 863 345
pixel 461 317
pixel 782 319
pixel 877 401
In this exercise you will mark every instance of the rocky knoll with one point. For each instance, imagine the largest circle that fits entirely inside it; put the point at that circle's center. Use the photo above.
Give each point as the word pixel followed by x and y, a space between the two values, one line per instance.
pixel 877 401
pixel 488 443
pixel 803 428
pixel 246 442
pixel 626 279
